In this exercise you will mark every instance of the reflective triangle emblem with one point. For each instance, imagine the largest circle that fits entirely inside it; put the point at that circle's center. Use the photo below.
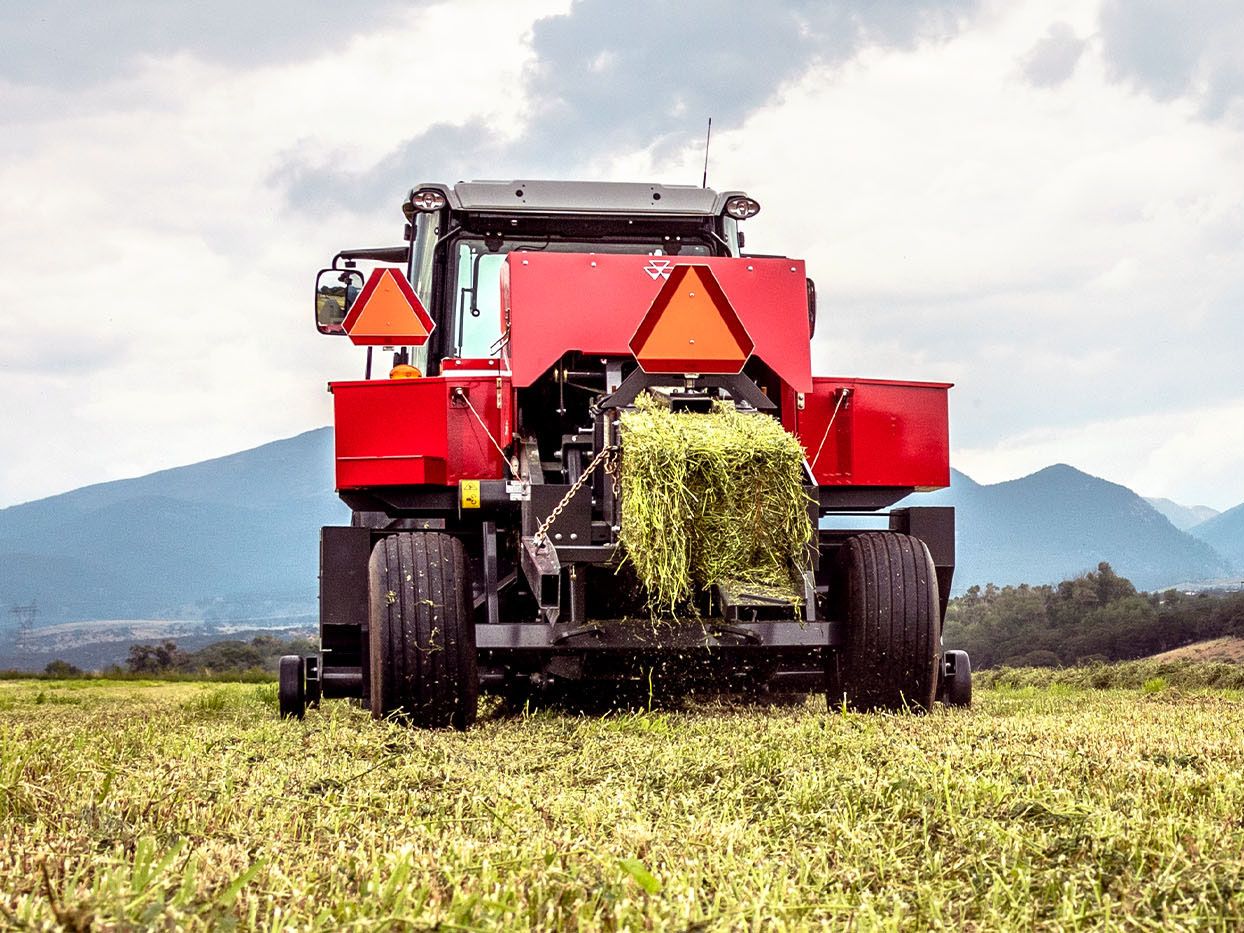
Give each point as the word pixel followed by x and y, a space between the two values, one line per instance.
pixel 387 312
pixel 691 327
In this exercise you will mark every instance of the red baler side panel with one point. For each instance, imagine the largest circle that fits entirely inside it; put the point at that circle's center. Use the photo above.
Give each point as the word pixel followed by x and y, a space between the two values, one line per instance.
pixel 885 433
pixel 593 302
pixel 398 432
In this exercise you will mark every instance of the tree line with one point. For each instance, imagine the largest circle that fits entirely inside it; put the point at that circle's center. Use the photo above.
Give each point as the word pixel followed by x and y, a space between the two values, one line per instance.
pixel 1098 616
pixel 259 654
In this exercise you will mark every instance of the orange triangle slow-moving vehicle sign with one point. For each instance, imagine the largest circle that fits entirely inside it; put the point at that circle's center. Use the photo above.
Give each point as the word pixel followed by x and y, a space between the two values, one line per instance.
pixel 691 327
pixel 387 312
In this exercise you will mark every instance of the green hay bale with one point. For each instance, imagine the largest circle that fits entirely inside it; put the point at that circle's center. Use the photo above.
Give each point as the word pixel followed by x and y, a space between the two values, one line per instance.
pixel 710 498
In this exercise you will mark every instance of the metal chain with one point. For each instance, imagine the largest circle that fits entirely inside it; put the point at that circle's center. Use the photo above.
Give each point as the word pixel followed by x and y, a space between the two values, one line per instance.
pixel 608 456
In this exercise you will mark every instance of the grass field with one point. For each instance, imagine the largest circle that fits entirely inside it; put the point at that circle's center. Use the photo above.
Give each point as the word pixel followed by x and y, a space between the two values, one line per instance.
pixel 191 805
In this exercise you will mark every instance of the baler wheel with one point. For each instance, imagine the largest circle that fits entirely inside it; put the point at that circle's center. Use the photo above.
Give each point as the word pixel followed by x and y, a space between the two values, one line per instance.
pixel 422 632
pixel 887 595
pixel 291 687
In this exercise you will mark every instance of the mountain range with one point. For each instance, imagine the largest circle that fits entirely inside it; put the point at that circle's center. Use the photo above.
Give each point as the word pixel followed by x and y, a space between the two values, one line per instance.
pixel 232 539
pixel 1183 517
pixel 1225 533
pixel 1060 522
pixel 232 542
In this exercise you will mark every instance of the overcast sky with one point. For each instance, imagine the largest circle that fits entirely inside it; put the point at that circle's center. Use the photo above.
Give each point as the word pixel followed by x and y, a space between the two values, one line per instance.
pixel 1042 202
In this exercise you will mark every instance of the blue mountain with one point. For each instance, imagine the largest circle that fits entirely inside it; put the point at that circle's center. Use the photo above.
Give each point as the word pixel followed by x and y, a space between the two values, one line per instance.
pixel 1060 522
pixel 1225 533
pixel 236 537
pixel 241 531
pixel 1183 517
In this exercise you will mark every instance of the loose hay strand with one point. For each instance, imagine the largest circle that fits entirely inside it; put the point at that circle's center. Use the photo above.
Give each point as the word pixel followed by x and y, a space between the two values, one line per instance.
pixel 710 499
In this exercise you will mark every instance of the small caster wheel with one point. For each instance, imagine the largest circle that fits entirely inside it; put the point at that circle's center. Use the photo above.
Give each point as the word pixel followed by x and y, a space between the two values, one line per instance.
pixel 291 690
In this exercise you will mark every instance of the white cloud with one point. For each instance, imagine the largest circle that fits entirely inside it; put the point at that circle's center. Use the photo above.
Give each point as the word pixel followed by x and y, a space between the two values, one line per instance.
pixel 164 313
pixel 1070 257
pixel 1192 455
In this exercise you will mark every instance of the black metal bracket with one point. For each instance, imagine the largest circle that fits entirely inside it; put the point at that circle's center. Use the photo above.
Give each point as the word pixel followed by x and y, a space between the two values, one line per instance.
pixel 544 574
pixel 935 526
pixel 738 385
pixel 632 636
pixel 488 532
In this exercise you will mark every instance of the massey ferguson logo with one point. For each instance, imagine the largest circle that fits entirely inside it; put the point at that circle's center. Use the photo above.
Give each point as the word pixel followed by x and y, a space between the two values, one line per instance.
pixel 658 268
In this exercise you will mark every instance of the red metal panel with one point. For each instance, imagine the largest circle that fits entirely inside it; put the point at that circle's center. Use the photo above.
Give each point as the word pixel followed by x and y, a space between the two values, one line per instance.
pixel 593 302
pixel 397 432
pixel 884 433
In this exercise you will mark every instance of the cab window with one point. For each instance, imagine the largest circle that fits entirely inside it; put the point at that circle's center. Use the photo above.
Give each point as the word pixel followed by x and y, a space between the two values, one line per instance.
pixel 476 295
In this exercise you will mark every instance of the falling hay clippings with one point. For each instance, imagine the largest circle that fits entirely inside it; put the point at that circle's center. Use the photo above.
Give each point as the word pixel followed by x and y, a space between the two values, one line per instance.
pixel 709 499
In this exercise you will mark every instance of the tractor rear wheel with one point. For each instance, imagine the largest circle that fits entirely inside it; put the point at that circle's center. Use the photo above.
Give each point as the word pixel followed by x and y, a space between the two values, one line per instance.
pixel 887 597
pixel 421 631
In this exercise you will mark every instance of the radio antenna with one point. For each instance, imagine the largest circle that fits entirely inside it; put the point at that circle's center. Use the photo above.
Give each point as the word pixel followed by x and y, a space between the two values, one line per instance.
pixel 707 138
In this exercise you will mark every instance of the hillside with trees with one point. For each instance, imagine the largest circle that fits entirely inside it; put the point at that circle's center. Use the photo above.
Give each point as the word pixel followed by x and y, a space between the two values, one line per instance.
pixel 222 657
pixel 1097 616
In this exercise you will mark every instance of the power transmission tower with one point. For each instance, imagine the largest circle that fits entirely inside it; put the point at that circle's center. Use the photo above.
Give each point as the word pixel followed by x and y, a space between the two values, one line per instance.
pixel 25 625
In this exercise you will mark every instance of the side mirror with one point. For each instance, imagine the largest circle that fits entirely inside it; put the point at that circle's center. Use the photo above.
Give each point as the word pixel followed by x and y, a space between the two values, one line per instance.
pixel 335 291
pixel 811 308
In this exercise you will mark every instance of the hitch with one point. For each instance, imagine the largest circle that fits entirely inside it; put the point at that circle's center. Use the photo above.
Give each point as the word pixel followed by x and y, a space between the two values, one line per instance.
pixel 543 571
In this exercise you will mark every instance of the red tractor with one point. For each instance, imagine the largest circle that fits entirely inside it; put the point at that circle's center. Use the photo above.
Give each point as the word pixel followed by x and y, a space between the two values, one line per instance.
pixel 517 322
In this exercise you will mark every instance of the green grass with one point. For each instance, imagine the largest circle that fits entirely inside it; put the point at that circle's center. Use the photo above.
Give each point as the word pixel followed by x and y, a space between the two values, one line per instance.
pixel 191 805
pixel 1222 675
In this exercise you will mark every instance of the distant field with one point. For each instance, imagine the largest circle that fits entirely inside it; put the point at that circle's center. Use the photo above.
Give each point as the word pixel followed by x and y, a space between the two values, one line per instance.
pixel 192 805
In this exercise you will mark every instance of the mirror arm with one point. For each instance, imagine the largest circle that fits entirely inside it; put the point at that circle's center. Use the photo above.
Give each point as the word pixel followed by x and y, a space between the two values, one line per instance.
pixel 376 254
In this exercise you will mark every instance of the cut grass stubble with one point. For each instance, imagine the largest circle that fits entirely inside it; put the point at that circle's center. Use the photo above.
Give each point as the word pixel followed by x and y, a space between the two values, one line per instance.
pixel 193 806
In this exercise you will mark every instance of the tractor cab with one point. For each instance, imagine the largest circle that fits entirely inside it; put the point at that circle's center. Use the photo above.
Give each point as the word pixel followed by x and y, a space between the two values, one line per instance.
pixel 460 237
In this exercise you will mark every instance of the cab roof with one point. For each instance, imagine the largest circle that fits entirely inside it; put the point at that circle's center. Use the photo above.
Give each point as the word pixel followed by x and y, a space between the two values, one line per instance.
pixel 583 197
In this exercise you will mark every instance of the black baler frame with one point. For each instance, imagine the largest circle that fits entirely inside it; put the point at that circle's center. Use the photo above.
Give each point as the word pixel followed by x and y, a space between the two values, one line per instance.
pixel 794 648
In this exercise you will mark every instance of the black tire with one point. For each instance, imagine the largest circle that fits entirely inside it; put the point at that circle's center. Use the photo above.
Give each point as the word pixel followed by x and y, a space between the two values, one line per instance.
pixel 291 687
pixel 886 593
pixel 421 631
pixel 957 679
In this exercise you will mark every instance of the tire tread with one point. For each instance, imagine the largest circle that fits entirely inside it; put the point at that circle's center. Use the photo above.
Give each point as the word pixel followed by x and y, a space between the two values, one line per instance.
pixel 423 642
pixel 888 598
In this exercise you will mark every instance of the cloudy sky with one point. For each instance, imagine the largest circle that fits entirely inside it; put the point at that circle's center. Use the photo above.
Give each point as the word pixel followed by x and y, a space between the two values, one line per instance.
pixel 1042 202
